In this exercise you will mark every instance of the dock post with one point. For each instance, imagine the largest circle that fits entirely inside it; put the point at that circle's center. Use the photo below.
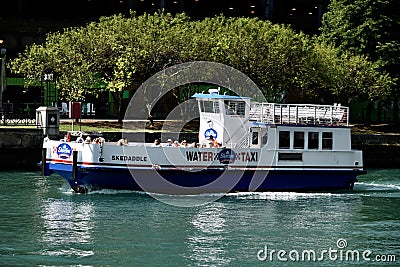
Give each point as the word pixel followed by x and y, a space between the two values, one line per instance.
pixel 44 156
pixel 74 164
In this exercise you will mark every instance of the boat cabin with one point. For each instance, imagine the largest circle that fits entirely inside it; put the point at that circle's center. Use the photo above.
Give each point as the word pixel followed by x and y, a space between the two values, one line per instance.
pixel 236 121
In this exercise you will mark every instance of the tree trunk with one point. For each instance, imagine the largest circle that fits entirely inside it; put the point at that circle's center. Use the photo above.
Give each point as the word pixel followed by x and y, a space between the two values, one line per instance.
pixel 379 112
pixel 396 110
pixel 368 114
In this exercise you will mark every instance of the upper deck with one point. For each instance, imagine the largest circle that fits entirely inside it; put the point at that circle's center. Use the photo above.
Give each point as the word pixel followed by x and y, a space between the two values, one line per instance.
pixel 303 114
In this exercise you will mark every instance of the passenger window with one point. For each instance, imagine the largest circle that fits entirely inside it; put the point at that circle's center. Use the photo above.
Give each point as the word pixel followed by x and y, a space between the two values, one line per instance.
pixel 298 142
pixel 327 140
pixel 254 140
pixel 235 107
pixel 313 140
pixel 209 106
pixel 284 139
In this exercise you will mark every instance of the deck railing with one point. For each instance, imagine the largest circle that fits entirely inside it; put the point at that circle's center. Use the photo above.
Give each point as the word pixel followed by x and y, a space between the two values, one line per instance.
pixel 17 119
pixel 305 114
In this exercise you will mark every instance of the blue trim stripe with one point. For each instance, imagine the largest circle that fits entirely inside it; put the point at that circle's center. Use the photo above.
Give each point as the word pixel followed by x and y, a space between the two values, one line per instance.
pixel 217 96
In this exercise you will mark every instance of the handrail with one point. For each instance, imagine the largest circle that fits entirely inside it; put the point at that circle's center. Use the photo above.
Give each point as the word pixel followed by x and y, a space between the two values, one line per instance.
pixel 305 114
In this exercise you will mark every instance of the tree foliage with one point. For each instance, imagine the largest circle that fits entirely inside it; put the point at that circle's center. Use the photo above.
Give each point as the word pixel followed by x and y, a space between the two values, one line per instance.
pixel 116 51
pixel 368 28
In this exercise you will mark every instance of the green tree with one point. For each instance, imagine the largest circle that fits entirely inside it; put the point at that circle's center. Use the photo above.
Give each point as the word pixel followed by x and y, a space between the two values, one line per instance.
pixel 117 51
pixel 368 27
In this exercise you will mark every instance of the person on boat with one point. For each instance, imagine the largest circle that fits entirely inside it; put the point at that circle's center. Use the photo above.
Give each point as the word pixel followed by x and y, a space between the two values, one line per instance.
pixel 122 142
pixel 156 143
pixel 88 140
pixel 169 142
pixel 80 139
pixel 213 142
pixel 184 143
pixel 176 143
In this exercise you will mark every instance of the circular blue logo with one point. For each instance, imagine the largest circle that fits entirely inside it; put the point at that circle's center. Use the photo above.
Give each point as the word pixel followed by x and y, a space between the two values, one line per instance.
pixel 64 151
pixel 210 132
pixel 227 156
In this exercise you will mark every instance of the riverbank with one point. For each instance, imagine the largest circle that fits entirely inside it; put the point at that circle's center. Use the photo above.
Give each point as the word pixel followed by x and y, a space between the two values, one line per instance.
pixel 20 149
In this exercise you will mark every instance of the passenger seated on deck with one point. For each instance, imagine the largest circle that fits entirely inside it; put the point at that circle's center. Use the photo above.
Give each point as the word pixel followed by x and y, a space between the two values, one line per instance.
pixel 184 143
pixel 213 142
pixel 98 140
pixel 122 142
pixel 80 139
pixel 156 143
pixel 64 139
pixel 88 140
pixel 169 142
pixel 176 143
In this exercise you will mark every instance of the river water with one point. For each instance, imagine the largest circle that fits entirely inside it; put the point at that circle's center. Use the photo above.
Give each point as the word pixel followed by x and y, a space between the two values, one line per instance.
pixel 42 223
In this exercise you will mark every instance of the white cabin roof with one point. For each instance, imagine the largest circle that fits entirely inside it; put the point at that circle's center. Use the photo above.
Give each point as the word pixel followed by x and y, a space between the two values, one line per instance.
pixel 218 96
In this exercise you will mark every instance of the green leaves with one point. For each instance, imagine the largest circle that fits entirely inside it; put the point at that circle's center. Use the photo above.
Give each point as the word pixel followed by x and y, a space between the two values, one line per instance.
pixel 117 51
pixel 367 28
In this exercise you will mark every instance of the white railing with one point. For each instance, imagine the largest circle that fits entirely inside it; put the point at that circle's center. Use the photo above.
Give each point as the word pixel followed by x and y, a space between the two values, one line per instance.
pixel 271 113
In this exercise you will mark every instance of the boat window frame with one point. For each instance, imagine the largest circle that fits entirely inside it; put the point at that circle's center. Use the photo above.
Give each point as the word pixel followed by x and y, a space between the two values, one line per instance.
pixel 255 138
pixel 327 142
pixel 313 143
pixel 284 139
pixel 235 107
pixel 211 107
pixel 296 141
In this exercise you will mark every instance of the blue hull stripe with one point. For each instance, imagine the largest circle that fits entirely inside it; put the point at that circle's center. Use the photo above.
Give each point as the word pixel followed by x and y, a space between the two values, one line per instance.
pixel 275 180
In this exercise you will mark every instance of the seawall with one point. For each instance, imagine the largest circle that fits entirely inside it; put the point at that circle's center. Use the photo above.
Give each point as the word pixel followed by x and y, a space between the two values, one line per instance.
pixel 379 150
pixel 20 149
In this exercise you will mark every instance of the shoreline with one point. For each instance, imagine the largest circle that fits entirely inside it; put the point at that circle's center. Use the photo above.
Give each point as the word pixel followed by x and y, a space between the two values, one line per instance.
pixel 20 149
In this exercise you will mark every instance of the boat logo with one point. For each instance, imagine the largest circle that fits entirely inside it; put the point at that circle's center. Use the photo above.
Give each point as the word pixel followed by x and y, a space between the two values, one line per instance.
pixel 227 156
pixel 64 151
pixel 210 132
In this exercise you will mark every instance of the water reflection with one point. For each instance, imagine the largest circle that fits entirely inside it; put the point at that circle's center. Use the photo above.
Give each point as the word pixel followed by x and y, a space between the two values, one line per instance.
pixel 67 228
pixel 208 242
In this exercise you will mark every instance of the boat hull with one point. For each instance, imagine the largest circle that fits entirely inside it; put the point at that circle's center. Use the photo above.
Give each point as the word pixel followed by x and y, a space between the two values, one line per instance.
pixel 217 180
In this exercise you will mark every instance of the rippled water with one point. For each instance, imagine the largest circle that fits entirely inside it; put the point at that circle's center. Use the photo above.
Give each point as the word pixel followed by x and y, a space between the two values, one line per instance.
pixel 43 224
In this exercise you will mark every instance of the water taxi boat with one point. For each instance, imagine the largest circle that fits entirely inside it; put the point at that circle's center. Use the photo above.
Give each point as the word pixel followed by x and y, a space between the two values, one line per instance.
pixel 262 147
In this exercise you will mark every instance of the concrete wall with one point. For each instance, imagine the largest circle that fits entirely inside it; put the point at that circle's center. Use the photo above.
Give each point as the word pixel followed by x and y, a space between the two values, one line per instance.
pixel 20 149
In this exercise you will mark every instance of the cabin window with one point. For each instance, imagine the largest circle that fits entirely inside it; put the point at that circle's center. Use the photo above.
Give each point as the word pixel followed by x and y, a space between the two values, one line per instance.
pixel 290 156
pixel 235 107
pixel 313 140
pixel 298 142
pixel 284 139
pixel 264 139
pixel 254 139
pixel 327 140
pixel 209 106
